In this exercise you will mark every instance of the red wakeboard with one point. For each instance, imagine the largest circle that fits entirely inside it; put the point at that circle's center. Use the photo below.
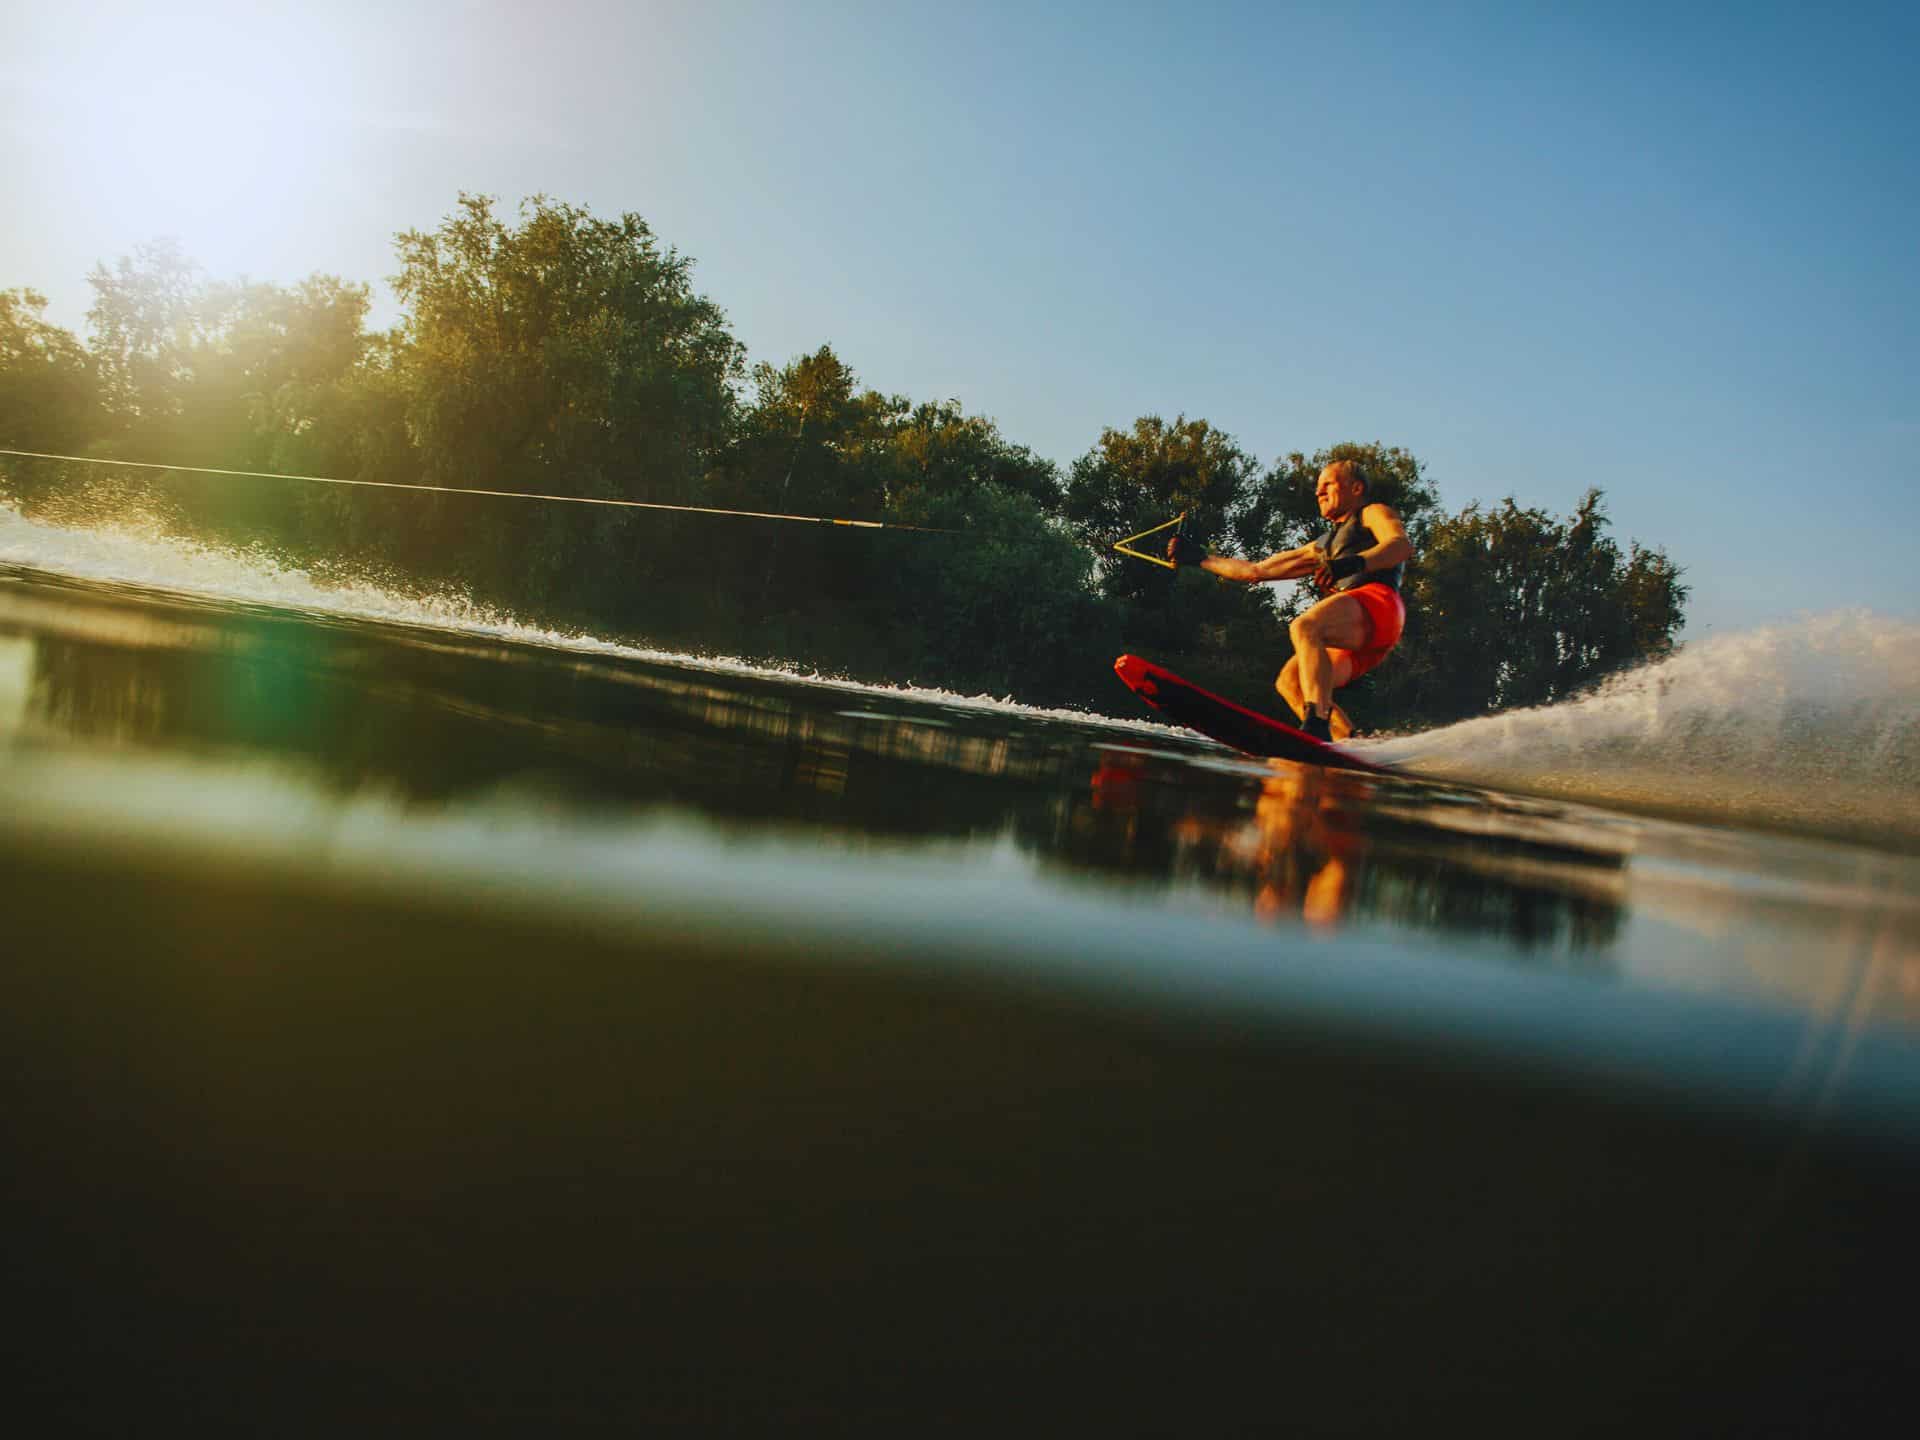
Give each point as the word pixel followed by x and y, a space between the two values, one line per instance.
pixel 1185 703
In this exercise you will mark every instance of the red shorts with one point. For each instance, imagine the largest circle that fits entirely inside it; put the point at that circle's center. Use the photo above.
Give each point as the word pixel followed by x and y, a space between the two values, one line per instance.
pixel 1387 617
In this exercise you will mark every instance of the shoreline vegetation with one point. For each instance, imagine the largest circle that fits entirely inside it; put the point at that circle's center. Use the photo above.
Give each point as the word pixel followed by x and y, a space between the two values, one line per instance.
pixel 564 354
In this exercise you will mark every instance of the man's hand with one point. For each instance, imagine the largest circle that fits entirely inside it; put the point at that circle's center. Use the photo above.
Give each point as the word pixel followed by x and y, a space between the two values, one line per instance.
pixel 1182 551
pixel 1331 573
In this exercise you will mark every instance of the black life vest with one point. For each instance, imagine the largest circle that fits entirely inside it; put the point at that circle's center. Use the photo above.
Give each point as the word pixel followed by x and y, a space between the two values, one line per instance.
pixel 1350 537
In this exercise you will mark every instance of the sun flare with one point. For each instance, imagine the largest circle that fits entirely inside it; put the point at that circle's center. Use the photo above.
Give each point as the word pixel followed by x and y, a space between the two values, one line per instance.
pixel 206 131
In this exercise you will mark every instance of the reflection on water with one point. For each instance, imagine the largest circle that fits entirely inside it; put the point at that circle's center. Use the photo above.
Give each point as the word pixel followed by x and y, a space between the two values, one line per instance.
pixel 16 681
pixel 432 718
pixel 1325 846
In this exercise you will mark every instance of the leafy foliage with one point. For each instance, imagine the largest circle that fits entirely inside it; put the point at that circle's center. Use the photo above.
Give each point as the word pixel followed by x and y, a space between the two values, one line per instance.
pixel 1512 606
pixel 565 355
pixel 1133 479
pixel 146 324
pixel 49 400
pixel 1011 611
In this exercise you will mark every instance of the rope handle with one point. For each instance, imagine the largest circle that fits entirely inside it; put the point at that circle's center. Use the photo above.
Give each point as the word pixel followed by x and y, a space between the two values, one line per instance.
pixel 1121 545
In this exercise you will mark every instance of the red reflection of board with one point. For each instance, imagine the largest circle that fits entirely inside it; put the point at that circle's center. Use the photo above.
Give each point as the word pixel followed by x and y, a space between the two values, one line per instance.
pixel 1185 703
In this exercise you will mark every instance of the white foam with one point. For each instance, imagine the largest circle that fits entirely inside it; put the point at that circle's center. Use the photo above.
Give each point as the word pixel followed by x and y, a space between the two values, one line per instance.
pixel 1812 722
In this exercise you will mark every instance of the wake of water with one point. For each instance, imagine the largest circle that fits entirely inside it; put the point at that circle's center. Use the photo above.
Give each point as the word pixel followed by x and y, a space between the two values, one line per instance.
pixel 1809 725
pixel 1812 724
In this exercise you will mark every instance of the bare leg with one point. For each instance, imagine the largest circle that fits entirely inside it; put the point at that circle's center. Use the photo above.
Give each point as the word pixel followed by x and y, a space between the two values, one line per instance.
pixel 1314 669
pixel 1338 621
pixel 1289 687
pixel 1325 900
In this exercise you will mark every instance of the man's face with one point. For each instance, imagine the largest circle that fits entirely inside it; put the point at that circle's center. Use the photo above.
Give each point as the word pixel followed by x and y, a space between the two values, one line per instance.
pixel 1335 498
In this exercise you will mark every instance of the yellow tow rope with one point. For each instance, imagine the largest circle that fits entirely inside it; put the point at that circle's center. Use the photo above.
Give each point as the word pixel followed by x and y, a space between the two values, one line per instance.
pixel 501 494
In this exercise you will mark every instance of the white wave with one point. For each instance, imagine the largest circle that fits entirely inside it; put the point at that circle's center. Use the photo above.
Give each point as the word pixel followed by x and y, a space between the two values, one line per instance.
pixel 1814 721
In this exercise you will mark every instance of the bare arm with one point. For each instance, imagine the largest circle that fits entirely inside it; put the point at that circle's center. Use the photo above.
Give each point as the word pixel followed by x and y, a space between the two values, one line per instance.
pixel 1389 549
pixel 1281 565
pixel 1390 546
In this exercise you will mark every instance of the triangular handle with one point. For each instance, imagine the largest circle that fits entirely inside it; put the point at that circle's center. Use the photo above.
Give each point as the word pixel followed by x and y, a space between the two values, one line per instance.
pixel 1121 545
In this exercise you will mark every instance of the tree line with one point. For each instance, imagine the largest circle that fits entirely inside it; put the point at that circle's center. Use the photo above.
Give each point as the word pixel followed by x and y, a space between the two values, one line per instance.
pixel 560 353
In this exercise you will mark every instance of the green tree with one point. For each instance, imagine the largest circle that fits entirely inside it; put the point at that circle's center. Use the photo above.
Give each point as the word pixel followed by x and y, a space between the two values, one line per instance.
pixel 812 442
pixel 815 441
pixel 940 449
pixel 223 375
pixel 1513 606
pixel 279 349
pixel 353 426
pixel 259 358
pixel 1134 479
pixel 48 397
pixel 146 320
pixel 1131 480
pixel 566 354
pixel 1006 604
pixel 166 343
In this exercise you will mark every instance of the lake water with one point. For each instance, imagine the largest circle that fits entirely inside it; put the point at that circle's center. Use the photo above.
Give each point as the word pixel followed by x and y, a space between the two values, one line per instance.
pixel 418 1016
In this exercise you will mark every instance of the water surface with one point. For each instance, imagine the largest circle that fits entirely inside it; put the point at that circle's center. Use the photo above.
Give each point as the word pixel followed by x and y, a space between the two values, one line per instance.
pixel 264 717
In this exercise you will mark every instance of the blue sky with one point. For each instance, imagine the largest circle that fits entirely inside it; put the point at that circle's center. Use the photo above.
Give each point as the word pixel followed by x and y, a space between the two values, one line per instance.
pixel 1545 248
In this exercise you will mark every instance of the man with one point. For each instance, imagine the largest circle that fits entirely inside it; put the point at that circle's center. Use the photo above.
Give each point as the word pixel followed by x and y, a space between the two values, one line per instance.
pixel 1357 564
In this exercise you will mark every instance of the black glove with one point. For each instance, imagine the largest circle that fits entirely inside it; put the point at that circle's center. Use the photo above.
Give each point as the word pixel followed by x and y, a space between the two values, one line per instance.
pixel 1346 565
pixel 1182 551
